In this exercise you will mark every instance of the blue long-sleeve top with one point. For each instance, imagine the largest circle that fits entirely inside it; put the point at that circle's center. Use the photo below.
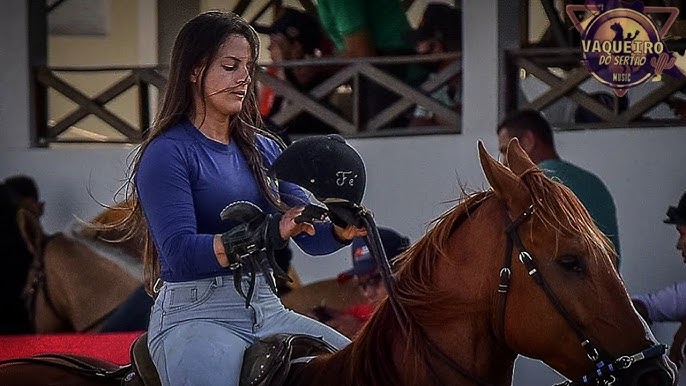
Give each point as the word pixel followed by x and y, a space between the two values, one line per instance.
pixel 185 179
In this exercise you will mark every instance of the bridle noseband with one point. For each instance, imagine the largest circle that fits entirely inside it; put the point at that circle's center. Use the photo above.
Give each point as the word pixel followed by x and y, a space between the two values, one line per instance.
pixel 605 369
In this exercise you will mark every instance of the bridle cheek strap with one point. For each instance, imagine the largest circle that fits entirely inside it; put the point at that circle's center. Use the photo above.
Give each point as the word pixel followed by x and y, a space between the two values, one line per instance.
pixel 604 370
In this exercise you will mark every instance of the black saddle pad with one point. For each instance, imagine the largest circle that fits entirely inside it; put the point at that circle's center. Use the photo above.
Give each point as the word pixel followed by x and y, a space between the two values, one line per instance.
pixel 268 361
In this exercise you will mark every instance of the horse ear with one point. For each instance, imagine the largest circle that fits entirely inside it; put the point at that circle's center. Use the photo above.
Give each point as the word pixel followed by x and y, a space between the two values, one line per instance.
pixel 31 231
pixel 517 159
pixel 506 185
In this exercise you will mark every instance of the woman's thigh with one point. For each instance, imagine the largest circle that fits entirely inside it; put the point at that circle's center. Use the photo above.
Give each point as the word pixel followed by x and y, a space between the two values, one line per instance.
pixel 199 353
pixel 198 333
pixel 286 321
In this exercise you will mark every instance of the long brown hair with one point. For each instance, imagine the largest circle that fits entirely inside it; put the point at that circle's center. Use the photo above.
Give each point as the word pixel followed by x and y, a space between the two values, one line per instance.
pixel 196 46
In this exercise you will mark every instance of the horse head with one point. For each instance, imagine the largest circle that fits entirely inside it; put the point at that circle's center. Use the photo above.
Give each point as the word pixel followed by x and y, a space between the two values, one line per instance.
pixel 73 284
pixel 565 303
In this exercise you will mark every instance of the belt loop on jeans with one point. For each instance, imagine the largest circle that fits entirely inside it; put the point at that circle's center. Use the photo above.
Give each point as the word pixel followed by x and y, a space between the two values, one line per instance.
pixel 219 281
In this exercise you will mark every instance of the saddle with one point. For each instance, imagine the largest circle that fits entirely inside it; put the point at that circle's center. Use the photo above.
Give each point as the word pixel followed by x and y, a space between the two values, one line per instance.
pixel 143 371
pixel 266 363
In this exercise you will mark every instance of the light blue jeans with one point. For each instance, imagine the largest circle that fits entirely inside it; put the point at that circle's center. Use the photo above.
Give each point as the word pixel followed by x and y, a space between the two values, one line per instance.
pixel 199 329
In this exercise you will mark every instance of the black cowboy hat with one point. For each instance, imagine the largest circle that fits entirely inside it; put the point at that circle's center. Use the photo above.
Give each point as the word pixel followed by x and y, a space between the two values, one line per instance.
pixel 677 214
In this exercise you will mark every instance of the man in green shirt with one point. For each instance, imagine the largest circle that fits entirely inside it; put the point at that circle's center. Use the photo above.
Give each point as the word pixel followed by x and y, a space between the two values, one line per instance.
pixel 536 138
pixel 364 28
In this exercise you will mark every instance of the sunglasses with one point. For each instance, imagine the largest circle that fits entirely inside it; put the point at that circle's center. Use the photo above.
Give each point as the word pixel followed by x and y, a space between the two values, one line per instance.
pixel 372 281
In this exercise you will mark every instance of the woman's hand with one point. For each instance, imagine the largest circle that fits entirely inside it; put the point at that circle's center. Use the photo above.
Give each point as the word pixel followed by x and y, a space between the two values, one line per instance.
pixel 348 233
pixel 289 228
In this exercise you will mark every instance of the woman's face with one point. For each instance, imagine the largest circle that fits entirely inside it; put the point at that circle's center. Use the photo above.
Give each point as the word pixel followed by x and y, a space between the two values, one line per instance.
pixel 227 77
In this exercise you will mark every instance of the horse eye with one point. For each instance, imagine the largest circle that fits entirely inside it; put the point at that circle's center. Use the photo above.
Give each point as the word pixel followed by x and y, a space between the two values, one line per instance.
pixel 571 264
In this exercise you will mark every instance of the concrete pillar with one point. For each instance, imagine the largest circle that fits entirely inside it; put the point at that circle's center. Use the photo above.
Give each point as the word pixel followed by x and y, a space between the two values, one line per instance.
pixel 14 77
pixel 171 15
pixel 480 66
pixel 489 27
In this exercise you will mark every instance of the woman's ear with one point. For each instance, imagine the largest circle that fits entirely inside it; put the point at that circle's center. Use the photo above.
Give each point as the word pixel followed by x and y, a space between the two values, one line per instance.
pixel 197 73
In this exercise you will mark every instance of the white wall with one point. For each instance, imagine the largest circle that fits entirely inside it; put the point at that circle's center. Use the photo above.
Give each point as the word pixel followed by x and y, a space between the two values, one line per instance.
pixel 410 178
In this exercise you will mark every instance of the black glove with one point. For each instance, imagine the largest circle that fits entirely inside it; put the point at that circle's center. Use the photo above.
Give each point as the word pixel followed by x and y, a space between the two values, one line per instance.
pixel 257 232
pixel 251 244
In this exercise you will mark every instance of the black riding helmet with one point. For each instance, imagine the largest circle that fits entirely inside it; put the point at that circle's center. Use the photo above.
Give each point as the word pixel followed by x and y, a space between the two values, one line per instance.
pixel 331 170
pixel 327 166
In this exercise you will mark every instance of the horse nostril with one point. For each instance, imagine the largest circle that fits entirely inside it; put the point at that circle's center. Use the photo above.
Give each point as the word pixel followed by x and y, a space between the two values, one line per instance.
pixel 655 377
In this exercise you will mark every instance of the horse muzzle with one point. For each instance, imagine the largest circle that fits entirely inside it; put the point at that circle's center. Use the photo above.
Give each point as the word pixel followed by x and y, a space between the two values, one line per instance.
pixel 650 367
pixel 656 372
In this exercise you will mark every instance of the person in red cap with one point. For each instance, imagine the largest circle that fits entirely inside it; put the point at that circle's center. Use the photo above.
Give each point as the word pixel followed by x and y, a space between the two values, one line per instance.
pixel 669 303
pixel 366 274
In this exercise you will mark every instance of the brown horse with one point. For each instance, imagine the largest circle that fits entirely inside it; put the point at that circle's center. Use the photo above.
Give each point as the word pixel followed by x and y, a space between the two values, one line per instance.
pixel 79 277
pixel 521 269
pixel 75 282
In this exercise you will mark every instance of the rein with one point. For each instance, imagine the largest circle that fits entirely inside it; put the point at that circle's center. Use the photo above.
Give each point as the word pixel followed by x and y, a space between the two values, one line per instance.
pixel 376 249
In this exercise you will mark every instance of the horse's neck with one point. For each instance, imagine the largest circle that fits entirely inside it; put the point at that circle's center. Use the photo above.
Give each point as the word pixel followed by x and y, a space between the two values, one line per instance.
pixel 126 253
pixel 379 356
pixel 83 285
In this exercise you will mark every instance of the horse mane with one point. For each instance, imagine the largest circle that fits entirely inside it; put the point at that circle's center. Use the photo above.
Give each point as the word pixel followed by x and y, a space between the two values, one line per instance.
pixel 416 269
pixel 556 207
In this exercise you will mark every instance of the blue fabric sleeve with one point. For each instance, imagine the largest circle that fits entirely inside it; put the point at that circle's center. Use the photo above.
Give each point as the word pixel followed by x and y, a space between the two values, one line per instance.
pixel 164 191
pixel 667 304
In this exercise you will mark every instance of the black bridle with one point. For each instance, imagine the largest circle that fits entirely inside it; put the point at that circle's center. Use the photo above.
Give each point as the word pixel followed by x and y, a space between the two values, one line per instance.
pixel 39 285
pixel 605 369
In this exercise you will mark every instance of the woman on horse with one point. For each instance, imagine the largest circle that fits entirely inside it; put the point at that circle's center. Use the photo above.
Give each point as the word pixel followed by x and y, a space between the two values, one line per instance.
pixel 212 273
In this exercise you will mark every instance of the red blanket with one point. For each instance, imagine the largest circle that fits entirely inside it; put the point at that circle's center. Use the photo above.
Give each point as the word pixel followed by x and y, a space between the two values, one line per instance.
pixel 112 347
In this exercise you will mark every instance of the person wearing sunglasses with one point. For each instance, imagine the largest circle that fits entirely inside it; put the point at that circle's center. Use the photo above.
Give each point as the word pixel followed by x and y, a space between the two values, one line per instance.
pixel 367 276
